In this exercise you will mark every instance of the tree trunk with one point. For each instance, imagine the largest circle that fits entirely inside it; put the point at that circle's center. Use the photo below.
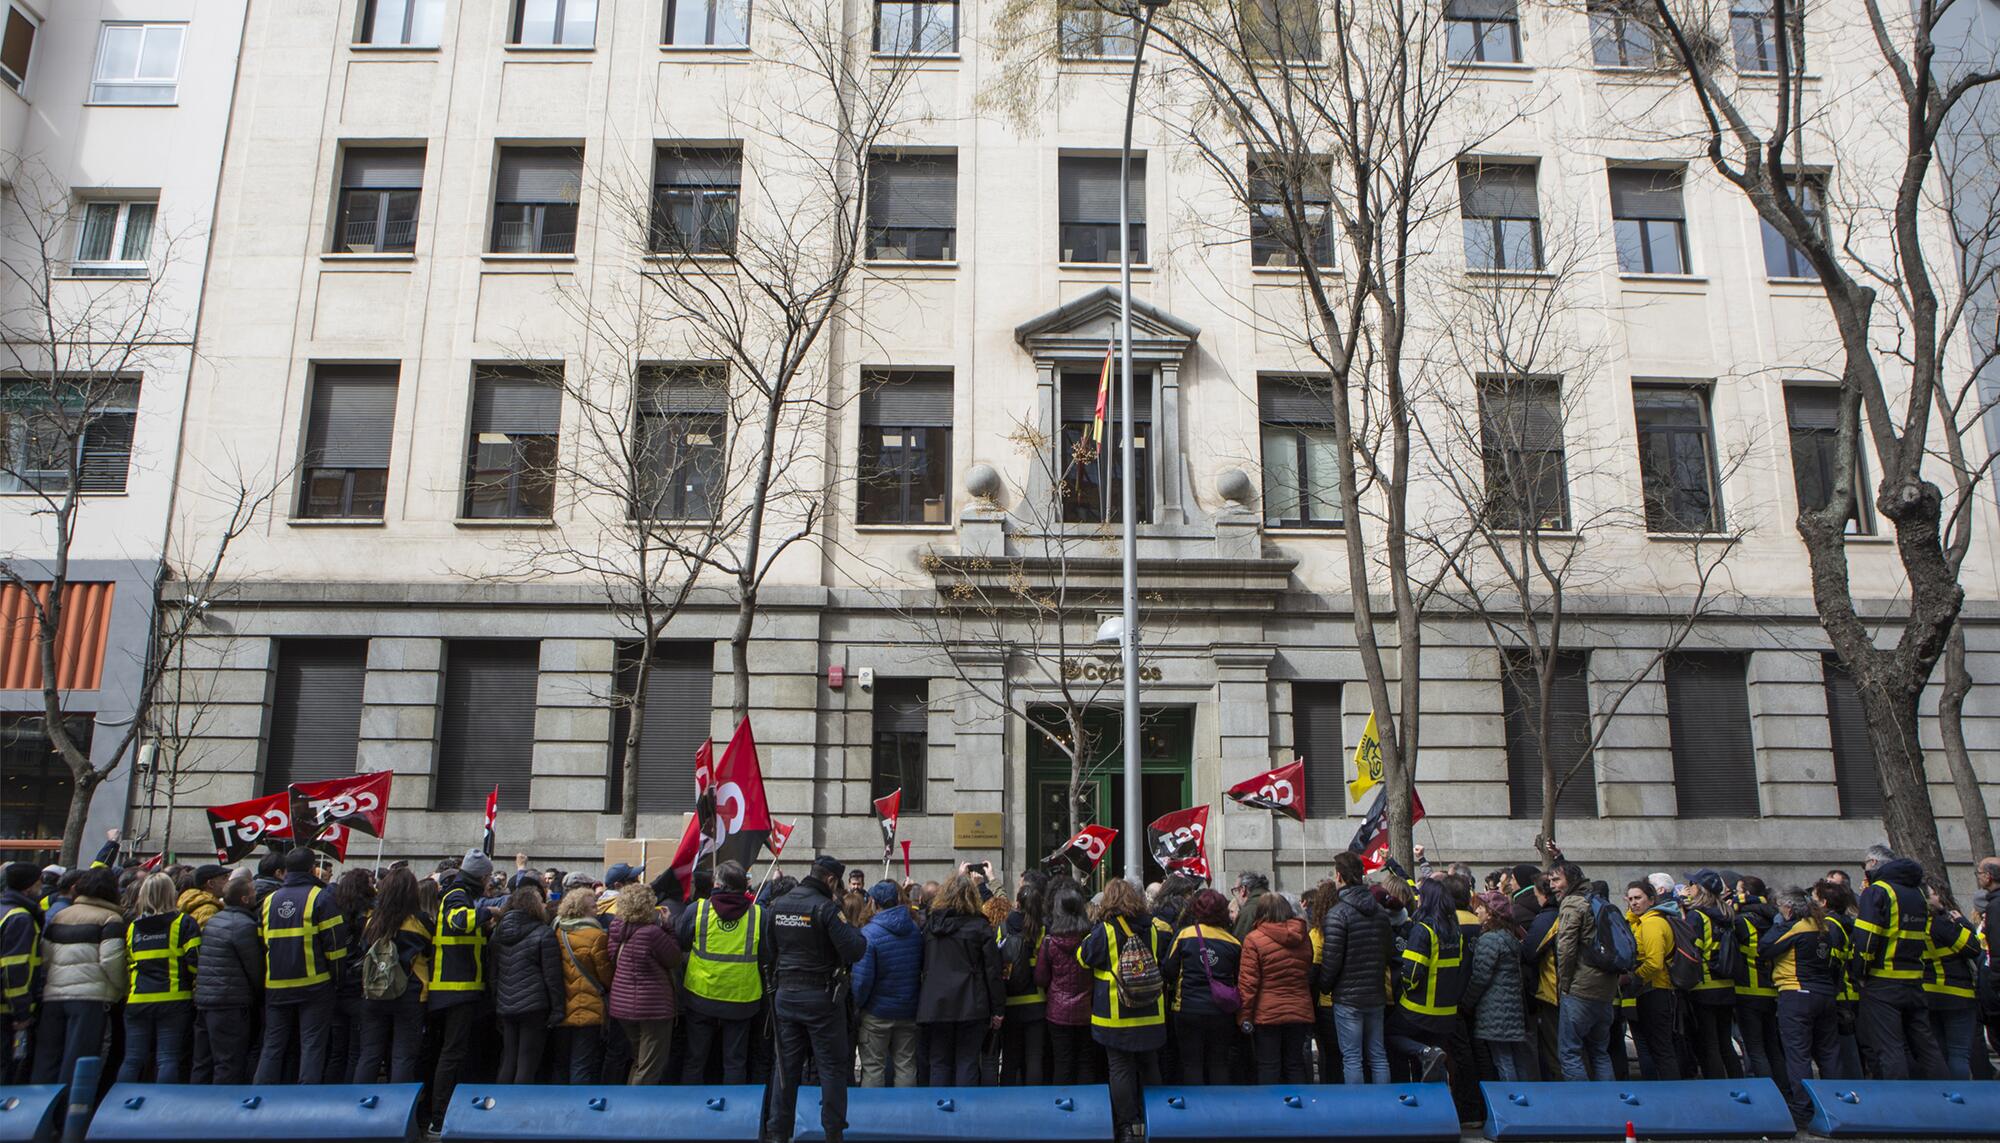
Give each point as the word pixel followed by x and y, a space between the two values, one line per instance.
pixel 1899 757
pixel 83 784
pixel 1951 727
pixel 628 770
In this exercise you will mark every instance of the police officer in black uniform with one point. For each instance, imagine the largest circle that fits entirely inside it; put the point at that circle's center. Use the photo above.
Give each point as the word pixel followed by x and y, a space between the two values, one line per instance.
pixel 814 947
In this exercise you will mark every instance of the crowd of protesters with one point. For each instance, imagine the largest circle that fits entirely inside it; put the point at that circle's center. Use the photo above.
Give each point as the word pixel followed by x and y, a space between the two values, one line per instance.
pixel 212 975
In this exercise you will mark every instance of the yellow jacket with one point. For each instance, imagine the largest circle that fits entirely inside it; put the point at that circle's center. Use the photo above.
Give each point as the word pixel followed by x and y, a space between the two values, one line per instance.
pixel 1655 937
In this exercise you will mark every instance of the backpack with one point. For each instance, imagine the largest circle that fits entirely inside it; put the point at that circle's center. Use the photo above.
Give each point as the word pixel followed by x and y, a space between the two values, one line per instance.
pixel 1728 960
pixel 1684 959
pixel 1136 973
pixel 1611 948
pixel 382 975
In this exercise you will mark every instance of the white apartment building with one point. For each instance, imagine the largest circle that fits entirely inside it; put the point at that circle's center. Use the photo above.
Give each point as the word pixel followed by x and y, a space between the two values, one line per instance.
pixel 112 120
pixel 418 197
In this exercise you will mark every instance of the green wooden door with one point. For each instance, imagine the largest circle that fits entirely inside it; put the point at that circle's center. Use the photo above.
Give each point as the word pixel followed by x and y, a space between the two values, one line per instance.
pixel 1166 744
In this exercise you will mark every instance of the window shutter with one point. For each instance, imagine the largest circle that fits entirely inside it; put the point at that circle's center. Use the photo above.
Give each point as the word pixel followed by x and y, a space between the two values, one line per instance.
pixel 382 168
pixel 1521 414
pixel 517 402
pixel 1708 723
pixel 1637 193
pixel 1087 190
pixel 1569 736
pixel 1316 738
pixel 353 413
pixel 902 706
pixel 683 391
pixel 486 727
pixel 1812 407
pixel 1854 775
pixel 1480 9
pixel 539 174
pixel 679 697
pixel 107 452
pixel 315 725
pixel 907 400
pixel 1295 400
pixel 1079 395
pixel 920 191
pixel 1497 190
pixel 690 166
pixel 899 753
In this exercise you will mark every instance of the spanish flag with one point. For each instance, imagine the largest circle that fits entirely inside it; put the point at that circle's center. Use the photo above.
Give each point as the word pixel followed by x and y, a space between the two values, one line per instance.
pixel 1096 435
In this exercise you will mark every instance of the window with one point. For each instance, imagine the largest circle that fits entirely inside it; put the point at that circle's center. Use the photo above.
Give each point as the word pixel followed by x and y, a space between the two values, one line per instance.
pixel 1569 735
pixel 346 463
pixel 1316 738
pixel 902 741
pixel 1753 30
pixel 679 692
pixel 708 23
pixel 1621 35
pixel 1855 777
pixel 1280 29
pixel 1301 464
pixel 35 782
pixel 1781 258
pixel 1813 414
pixel 555 23
pixel 1274 240
pixel 1503 227
pixel 138 63
pixel 913 207
pixel 114 239
pixel 1708 728
pixel 510 467
pixel 905 464
pixel 1482 31
pixel 916 27
pixel 1521 441
pixel 1676 459
pixel 1087 199
pixel 695 192
pixel 380 189
pixel 682 418
pixel 402 23
pixel 1092 29
pixel 486 723
pixel 17 47
pixel 50 430
pixel 1092 471
pixel 534 200
pixel 1648 221
pixel 315 720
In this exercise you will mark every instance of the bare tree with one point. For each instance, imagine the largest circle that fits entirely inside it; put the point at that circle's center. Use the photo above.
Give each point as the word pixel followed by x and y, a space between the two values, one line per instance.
pixel 1859 195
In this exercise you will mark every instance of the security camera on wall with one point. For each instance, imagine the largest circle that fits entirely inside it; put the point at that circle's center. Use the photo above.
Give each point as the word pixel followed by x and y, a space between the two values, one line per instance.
pixel 864 677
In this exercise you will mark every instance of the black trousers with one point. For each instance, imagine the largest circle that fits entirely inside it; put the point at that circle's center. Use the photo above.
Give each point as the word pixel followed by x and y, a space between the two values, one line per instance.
pixel 1130 1071
pixel 1811 1035
pixel 810 1026
pixel 703 1033
pixel 1713 1050
pixel 579 1054
pixel 1544 1028
pixel 521 1040
pixel 1281 1053
pixel 1763 1051
pixel 1207 1048
pixel 954 1052
pixel 1073 1053
pixel 1896 1022
pixel 66 1031
pixel 1023 1060
pixel 1653 1022
pixel 309 1023
pixel 455 1026
pixel 392 1030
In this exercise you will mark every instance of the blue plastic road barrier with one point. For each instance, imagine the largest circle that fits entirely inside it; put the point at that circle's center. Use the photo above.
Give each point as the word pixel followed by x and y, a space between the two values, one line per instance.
pixel 986 1114
pixel 491 1113
pixel 1677 1109
pixel 1956 1109
pixel 83 1082
pixel 295 1113
pixel 28 1112
pixel 1414 1111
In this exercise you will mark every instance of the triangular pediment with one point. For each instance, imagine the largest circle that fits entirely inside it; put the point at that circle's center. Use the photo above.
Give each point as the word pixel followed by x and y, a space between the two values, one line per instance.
pixel 1088 325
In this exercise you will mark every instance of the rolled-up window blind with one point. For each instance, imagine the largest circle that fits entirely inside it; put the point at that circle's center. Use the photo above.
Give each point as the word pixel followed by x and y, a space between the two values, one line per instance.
pixel 1497 190
pixel 909 400
pixel 353 414
pixel 539 174
pixel 514 401
pixel 382 168
pixel 1646 194
pixel 1087 190
pixel 918 192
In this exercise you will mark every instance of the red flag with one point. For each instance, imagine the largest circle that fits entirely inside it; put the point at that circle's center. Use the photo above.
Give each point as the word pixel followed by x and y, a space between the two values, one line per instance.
pixel 704 766
pixel 780 834
pixel 686 855
pixel 360 803
pixel 492 811
pixel 1281 791
pixel 742 817
pixel 240 827
pixel 906 860
pixel 1086 849
pixel 153 862
pixel 1179 841
pixel 887 808
pixel 1371 841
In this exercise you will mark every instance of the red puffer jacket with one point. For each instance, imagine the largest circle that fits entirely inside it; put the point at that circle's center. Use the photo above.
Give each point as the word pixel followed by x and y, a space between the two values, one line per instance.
pixel 1276 974
pixel 1067 982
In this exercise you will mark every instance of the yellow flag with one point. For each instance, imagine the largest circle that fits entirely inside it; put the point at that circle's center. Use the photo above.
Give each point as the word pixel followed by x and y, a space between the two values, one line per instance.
pixel 1367 762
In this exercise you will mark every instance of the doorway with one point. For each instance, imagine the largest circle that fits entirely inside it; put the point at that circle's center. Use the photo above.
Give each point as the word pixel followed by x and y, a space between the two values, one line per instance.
pixel 1166 752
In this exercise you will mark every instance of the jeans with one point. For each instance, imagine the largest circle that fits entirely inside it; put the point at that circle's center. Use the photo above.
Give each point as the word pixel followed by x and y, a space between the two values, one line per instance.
pixel 1583 1038
pixel 228 1034
pixel 1281 1053
pixel 1129 1073
pixel 1023 1059
pixel 1810 1034
pixel 1896 1023
pixel 1360 1032
pixel 1513 1060
pixel 579 1053
pixel 955 1052
pixel 521 1040
pixel 810 1026
pixel 1653 1024
pixel 888 1050
pixel 391 1029
pixel 66 1031
pixel 1074 1054
pixel 705 1031
pixel 1206 1048
pixel 1953 1029
pixel 156 1034
pixel 310 1022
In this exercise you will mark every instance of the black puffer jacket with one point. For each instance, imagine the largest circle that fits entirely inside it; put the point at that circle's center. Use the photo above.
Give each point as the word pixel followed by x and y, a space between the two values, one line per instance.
pixel 1356 940
pixel 525 967
pixel 230 971
pixel 961 971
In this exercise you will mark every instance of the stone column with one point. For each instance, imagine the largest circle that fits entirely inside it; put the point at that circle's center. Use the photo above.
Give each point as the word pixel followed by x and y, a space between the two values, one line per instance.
pixel 573 748
pixel 981 777
pixel 1167 447
pixel 1791 736
pixel 1243 718
pixel 399 705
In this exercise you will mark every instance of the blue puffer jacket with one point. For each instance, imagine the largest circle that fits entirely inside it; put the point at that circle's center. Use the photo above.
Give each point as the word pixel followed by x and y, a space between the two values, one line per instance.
pixel 885 979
